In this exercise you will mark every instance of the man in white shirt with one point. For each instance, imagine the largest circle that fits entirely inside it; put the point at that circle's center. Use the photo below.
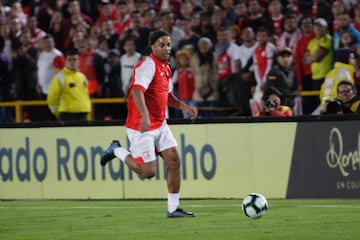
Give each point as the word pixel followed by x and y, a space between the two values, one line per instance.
pixel 128 61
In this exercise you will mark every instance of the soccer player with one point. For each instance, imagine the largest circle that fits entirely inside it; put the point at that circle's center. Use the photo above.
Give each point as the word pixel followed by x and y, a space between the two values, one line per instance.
pixel 149 95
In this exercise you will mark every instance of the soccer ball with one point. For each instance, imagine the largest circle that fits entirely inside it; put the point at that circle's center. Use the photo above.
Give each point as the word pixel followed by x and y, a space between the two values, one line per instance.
pixel 254 205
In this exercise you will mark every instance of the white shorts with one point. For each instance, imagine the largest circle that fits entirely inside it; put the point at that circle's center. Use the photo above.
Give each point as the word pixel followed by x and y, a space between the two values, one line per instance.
pixel 143 145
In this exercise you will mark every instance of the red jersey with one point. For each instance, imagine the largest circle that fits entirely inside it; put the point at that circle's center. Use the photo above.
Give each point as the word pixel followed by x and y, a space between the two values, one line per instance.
pixel 87 67
pixel 224 65
pixel 152 77
pixel 278 23
pixel 301 68
pixel 262 55
pixel 121 27
pixel 186 83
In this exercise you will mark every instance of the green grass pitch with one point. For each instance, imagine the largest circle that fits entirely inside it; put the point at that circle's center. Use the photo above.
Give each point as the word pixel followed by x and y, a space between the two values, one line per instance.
pixel 216 219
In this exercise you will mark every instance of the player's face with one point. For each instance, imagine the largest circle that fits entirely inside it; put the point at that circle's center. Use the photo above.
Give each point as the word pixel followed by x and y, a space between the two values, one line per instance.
pixel 162 48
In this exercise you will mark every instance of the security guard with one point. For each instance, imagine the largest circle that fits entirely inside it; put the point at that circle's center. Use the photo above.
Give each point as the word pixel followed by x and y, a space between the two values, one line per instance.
pixel 68 97
pixel 282 76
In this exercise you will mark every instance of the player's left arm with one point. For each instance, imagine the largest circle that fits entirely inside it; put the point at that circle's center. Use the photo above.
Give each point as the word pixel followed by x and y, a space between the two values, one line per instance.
pixel 174 102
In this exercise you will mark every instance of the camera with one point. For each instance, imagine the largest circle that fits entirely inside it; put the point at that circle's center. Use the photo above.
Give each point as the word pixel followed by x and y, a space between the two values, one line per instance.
pixel 270 103
pixel 333 107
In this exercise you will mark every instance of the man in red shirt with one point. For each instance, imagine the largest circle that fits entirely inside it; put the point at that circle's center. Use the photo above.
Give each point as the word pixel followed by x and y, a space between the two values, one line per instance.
pixel 150 93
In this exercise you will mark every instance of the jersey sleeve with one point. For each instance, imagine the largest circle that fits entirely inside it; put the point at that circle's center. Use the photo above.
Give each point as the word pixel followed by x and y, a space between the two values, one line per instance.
pixel 144 74
pixel 59 62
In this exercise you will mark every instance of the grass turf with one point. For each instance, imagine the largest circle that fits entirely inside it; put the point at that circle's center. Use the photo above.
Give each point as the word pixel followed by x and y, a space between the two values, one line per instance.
pixel 216 219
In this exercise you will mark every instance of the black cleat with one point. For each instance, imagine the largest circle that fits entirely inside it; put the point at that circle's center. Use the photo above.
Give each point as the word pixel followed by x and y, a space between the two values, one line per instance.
pixel 179 213
pixel 109 152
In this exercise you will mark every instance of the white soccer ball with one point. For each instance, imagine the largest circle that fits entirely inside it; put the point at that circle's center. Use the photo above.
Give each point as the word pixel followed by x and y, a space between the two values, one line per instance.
pixel 254 205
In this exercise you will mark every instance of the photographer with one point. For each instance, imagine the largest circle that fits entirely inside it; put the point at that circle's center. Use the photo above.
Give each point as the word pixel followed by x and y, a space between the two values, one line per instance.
pixel 347 102
pixel 271 104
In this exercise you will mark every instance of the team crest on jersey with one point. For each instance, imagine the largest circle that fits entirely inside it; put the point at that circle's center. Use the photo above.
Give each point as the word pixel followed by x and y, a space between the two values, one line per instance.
pixel 146 154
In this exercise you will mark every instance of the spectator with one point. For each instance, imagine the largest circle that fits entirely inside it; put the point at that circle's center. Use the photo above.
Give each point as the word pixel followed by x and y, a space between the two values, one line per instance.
pixel 321 9
pixel 95 34
pixel 58 31
pixel 107 12
pixel 68 98
pixel 247 48
pixel 228 12
pixel 228 65
pixel 76 40
pixel 196 23
pixel 36 32
pixel 191 38
pixel 345 24
pixel 282 76
pixel 235 34
pixel 356 19
pixel 275 12
pixel 203 65
pixel 343 70
pixel 139 33
pixel 102 48
pixel 24 70
pixel 347 41
pixel 241 14
pixel 357 72
pixel 257 19
pixel 319 55
pixel 18 13
pixel 150 19
pixel 168 25
pixel 76 17
pixel 170 5
pixel 186 9
pixel 4 12
pixel 15 27
pixel 45 13
pixel 302 69
pixel 348 97
pixel 263 61
pixel 108 32
pixel 50 61
pixel 128 61
pixel 183 78
pixel 115 88
pixel 10 43
pixel 5 86
pixel 115 85
pixel 247 81
pixel 290 36
pixel 337 9
pixel 209 7
pixel 301 8
pixel 123 21
pixel 271 105
pixel 91 64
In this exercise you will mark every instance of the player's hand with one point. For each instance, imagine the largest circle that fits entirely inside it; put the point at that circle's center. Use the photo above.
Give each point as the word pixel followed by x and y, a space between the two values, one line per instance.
pixel 192 111
pixel 145 123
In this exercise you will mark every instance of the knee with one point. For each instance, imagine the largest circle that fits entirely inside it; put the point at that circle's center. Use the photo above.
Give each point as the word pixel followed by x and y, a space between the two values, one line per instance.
pixel 150 173
pixel 174 164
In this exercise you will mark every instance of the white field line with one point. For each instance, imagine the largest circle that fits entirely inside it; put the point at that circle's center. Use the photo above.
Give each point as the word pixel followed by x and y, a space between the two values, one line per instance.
pixel 153 206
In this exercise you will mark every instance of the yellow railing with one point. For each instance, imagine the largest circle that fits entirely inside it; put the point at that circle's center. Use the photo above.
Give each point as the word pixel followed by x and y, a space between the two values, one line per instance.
pixel 18 105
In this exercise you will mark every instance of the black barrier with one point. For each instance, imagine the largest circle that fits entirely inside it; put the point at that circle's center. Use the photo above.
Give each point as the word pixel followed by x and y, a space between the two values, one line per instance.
pixel 326 160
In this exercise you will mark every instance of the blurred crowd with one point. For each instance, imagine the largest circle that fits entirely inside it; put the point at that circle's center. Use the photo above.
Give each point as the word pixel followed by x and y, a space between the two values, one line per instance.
pixel 225 53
